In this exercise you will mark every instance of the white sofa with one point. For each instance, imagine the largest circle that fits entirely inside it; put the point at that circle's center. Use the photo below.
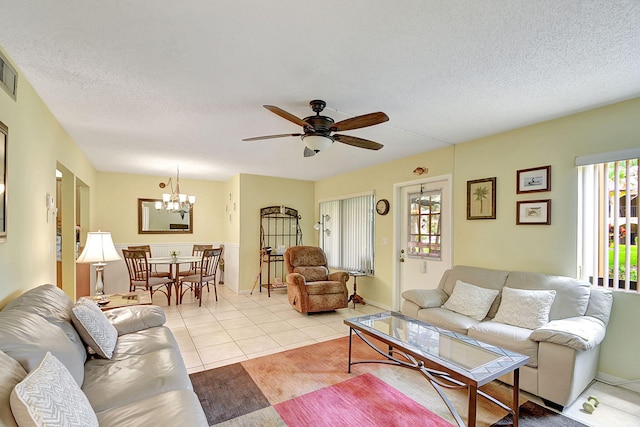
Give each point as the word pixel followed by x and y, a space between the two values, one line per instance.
pixel 563 352
pixel 144 383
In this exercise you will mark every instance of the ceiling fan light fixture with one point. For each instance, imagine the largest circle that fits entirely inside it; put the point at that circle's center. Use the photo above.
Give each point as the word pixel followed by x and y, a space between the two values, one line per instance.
pixel 317 143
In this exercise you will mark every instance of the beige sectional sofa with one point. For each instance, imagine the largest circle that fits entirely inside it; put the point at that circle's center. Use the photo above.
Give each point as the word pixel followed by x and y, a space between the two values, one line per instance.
pixel 144 383
pixel 563 347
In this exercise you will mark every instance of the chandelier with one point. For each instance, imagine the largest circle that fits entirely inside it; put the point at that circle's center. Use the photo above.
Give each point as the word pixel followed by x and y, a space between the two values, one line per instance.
pixel 175 201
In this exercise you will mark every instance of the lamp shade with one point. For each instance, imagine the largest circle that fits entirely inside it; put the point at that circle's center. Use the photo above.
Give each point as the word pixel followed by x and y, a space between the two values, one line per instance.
pixel 99 248
pixel 317 143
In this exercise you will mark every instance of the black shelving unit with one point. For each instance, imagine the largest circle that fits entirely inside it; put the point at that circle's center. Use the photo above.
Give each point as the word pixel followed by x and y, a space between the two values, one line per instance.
pixel 279 229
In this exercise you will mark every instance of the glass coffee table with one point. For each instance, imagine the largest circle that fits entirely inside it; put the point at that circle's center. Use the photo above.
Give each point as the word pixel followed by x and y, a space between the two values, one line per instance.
pixel 447 359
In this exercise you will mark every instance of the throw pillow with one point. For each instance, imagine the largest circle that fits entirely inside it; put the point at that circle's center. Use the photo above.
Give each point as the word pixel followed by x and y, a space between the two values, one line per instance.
pixel 525 308
pixel 49 396
pixel 470 300
pixel 94 327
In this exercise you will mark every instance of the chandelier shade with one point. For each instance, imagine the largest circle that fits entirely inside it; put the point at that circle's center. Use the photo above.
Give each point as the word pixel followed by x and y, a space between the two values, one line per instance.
pixel 175 201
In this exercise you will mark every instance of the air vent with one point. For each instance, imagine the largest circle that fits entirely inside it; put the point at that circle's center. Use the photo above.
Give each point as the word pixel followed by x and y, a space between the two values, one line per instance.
pixel 8 77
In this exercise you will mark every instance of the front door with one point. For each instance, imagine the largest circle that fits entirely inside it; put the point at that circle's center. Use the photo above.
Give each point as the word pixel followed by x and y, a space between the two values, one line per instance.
pixel 423 233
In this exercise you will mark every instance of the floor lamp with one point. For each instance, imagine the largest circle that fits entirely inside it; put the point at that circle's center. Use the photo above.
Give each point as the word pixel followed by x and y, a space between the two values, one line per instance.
pixel 99 250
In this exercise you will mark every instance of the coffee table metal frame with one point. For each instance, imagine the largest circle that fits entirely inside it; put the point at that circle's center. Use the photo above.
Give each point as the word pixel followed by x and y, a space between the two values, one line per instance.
pixel 441 372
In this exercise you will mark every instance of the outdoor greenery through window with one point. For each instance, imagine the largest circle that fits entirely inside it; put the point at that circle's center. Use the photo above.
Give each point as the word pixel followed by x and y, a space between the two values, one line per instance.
pixel 609 223
pixel 424 224
pixel 346 233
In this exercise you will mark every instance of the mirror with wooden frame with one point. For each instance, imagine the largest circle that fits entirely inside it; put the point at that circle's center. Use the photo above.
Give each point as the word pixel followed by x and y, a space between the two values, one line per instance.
pixel 152 220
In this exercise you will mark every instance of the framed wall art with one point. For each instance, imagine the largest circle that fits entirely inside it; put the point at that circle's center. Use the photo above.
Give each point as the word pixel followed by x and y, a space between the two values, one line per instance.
pixel 481 198
pixel 534 180
pixel 533 212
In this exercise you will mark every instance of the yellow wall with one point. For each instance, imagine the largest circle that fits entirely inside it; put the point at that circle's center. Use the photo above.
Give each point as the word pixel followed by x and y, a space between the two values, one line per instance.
pixel 116 211
pixel 257 192
pixel 36 142
pixel 500 243
pixel 380 179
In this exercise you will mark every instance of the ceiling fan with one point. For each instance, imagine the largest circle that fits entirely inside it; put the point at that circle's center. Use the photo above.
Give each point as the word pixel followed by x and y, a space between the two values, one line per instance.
pixel 318 131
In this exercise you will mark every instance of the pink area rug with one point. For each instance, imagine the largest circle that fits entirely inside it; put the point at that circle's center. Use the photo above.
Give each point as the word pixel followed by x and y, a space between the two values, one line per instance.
pixel 361 401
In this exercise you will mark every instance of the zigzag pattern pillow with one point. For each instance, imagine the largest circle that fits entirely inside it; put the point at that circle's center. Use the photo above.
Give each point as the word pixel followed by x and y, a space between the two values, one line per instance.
pixel 50 397
pixel 94 327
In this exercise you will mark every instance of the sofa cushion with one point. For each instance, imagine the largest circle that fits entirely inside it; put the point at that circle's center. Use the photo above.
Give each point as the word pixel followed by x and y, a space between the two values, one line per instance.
pixel 470 300
pixel 512 338
pixel 27 337
pixel 572 295
pixel 53 305
pixel 143 342
pixel 447 319
pixel 50 397
pixel 115 382
pixel 484 277
pixel 94 327
pixel 135 318
pixel 600 302
pixel 527 309
pixel 313 274
pixel 322 288
pixel 11 373
pixel 426 298
pixel 153 411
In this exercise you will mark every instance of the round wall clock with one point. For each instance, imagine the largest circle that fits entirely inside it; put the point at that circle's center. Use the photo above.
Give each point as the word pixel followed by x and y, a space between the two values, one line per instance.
pixel 382 207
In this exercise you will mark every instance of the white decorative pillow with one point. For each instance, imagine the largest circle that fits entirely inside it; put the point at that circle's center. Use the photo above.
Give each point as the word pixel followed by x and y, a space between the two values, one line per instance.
pixel 525 308
pixel 94 327
pixel 50 397
pixel 471 300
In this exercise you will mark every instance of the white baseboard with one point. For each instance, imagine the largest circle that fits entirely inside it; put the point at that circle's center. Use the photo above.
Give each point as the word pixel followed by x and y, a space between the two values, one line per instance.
pixel 633 385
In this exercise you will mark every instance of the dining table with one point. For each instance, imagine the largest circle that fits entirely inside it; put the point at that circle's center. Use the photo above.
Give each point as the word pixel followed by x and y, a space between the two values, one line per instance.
pixel 174 269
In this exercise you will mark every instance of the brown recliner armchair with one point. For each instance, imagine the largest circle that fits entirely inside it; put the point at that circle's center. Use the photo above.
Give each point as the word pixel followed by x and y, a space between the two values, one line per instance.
pixel 310 285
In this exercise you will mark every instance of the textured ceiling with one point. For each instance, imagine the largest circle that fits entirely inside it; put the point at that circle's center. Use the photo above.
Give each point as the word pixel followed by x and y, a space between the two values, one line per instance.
pixel 145 85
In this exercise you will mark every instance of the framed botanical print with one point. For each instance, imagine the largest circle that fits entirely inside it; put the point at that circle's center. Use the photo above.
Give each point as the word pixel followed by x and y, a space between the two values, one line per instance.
pixel 481 198
pixel 533 212
pixel 534 180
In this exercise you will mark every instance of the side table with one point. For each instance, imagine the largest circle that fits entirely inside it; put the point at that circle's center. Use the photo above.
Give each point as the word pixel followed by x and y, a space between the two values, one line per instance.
pixel 355 297
pixel 124 300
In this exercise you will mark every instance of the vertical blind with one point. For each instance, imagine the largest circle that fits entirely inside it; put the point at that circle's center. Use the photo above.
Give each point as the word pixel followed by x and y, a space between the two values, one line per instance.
pixel 348 233
pixel 608 226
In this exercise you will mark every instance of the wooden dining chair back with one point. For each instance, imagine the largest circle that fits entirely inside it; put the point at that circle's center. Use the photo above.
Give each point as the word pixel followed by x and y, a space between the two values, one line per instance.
pixel 140 277
pixel 197 250
pixel 153 269
pixel 205 273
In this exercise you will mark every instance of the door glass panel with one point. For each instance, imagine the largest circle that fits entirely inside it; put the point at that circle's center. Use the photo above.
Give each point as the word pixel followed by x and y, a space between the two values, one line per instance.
pixel 424 238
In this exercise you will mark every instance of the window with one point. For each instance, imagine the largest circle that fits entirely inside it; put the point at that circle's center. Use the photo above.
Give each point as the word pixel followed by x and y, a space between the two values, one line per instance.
pixel 608 208
pixel 346 228
pixel 424 225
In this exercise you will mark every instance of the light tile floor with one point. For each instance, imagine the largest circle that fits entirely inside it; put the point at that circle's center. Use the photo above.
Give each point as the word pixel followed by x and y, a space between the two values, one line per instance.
pixel 241 327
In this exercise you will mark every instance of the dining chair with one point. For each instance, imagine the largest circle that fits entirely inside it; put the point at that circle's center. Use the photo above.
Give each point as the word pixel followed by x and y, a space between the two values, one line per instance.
pixel 205 272
pixel 197 250
pixel 152 269
pixel 140 276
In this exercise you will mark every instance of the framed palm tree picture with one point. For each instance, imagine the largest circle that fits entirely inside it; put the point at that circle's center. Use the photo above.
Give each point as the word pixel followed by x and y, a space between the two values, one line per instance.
pixel 481 198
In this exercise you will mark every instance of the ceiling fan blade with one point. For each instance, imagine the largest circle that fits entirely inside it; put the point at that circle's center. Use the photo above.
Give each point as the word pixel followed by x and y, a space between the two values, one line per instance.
pixel 357 142
pixel 308 152
pixel 360 121
pixel 286 115
pixel 282 135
